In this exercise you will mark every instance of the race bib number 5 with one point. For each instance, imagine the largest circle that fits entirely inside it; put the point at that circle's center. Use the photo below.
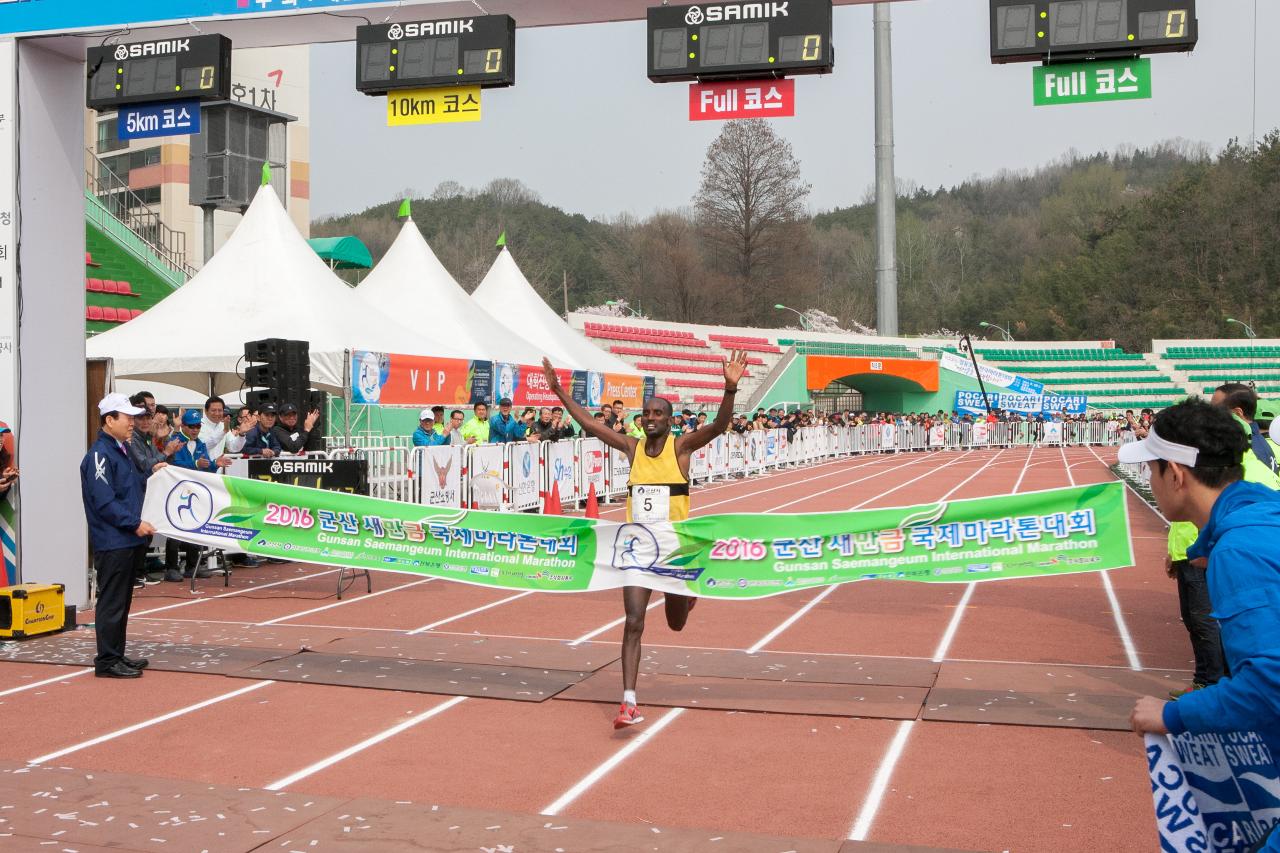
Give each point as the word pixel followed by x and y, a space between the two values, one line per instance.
pixel 650 504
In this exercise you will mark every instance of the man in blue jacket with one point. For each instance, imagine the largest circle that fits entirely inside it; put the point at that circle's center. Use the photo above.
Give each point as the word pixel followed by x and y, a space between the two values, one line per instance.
pixel 112 490
pixel 505 427
pixel 1194 451
pixel 425 435
pixel 192 454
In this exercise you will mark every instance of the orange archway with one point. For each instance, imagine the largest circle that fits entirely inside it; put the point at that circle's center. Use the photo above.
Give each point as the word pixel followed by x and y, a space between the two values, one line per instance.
pixel 822 370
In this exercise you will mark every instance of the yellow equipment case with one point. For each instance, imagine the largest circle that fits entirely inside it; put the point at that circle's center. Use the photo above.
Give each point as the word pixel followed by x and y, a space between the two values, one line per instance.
pixel 29 609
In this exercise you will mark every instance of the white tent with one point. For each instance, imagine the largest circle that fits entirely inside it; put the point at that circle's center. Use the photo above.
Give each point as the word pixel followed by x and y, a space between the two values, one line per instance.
pixel 411 284
pixel 265 282
pixel 507 295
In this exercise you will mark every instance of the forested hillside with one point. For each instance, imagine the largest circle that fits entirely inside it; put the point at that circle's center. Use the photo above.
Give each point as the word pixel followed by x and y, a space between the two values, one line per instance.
pixel 1131 245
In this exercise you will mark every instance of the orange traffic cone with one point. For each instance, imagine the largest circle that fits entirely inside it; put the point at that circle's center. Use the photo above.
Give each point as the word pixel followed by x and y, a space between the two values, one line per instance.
pixel 593 504
pixel 551 506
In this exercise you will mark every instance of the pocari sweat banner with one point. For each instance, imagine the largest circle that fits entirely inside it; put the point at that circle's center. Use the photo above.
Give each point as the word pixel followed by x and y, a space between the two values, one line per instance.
pixel 1054 532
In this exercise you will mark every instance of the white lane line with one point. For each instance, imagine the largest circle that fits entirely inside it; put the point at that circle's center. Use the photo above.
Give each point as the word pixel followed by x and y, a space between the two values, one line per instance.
pixel 365 744
pixel 614 624
pixel 944 645
pixel 871 805
pixel 471 612
pixel 1126 639
pixel 53 680
pixel 613 761
pixel 233 592
pixel 366 597
pixel 789 621
pixel 940 653
pixel 257 685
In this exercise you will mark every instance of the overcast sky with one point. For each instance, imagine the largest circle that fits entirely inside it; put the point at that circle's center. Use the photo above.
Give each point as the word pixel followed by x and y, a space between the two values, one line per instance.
pixel 586 129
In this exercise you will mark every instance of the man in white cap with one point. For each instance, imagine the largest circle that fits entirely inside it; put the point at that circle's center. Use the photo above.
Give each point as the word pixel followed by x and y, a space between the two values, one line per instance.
pixel 1194 451
pixel 425 435
pixel 112 490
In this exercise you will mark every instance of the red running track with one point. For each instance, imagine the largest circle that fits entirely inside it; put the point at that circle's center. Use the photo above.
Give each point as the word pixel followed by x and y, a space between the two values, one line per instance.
pixel 914 782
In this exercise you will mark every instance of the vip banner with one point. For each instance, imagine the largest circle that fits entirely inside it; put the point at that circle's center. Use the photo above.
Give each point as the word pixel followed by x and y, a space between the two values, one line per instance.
pixel 413 380
pixel 1054 532
pixel 1218 793
pixel 990 375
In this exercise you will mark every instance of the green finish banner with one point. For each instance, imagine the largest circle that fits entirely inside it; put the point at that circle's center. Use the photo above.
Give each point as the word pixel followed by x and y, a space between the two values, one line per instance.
pixel 1054 532
pixel 1086 82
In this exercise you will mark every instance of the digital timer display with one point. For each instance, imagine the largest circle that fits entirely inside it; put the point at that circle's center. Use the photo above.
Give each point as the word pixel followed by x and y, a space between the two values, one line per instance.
pixel 1071 30
pixel 721 41
pixel 427 54
pixel 178 69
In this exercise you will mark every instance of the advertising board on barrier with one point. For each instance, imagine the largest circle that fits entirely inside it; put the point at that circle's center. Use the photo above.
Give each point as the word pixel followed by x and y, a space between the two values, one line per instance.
pixel 971 402
pixel 440 472
pixel 743 556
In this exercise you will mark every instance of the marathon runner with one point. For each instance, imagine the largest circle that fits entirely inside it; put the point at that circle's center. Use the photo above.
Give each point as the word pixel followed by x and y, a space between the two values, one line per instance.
pixel 658 491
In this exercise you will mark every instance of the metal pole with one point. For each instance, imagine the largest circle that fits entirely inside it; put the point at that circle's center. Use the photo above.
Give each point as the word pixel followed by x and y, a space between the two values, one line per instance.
pixel 208 233
pixel 966 345
pixel 886 185
pixel 566 295
pixel 346 395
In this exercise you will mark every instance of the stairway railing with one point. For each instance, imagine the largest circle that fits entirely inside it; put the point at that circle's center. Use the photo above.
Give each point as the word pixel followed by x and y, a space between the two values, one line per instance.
pixel 119 202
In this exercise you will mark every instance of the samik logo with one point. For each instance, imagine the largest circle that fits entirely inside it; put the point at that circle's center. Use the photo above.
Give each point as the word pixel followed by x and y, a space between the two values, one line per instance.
pixel 737 12
pixel 276 467
pixel 434 28
pixel 395 32
pixel 153 48
pixel 189 505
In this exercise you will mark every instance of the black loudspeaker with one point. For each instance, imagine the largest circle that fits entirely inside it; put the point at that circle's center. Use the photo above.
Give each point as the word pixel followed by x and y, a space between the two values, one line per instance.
pixel 318 401
pixel 256 398
pixel 282 368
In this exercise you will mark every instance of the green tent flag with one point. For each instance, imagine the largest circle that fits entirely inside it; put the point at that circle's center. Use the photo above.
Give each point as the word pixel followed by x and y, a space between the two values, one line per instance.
pixel 502 240
pixel 404 210
pixel 266 174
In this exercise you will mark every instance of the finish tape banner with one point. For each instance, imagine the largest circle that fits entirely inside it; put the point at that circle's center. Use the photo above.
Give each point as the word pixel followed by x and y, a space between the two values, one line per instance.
pixel 990 375
pixel 1216 793
pixel 742 556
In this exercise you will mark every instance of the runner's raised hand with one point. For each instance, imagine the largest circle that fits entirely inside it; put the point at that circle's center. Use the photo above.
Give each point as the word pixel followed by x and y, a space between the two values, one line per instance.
pixel 734 368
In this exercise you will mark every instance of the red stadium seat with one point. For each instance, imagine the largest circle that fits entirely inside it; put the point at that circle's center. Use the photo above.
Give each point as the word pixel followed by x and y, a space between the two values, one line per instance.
pixel 124 288
pixel 110 314
pixel 88 260
pixel 93 285
pixel 94 312
pixel 137 312
pixel 109 286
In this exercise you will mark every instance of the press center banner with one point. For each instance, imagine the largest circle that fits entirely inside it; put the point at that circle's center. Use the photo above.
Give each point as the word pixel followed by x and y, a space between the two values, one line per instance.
pixel 991 375
pixel 1060 531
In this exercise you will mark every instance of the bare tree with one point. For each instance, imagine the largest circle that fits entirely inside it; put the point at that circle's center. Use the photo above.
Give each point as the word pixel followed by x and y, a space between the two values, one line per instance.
pixel 750 197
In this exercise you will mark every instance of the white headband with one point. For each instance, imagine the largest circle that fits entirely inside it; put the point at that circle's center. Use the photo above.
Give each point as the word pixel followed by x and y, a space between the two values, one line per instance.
pixel 1169 451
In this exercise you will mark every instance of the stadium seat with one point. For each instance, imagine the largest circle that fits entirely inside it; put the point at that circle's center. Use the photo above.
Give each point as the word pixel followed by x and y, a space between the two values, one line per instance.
pixel 94 312
pixel 135 312
pixel 93 285
pixel 88 260
pixel 109 314
pixel 109 286
pixel 124 288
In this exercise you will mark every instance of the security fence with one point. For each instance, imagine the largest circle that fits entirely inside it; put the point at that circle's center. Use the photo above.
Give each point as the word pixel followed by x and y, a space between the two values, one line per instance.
pixel 521 475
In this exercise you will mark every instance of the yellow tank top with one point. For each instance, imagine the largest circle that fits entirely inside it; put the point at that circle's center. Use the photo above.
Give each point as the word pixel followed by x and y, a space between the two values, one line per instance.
pixel 662 470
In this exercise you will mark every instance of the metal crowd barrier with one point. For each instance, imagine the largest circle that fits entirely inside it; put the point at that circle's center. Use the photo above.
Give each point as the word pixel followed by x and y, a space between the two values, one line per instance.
pixel 519 475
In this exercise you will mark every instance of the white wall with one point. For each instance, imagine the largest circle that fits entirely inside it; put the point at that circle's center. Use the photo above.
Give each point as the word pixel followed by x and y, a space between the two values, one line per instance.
pixel 53 535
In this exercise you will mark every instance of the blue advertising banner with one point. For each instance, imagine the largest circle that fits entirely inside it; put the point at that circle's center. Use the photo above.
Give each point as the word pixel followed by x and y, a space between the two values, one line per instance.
pixel 145 121
pixel 970 402
pixel 39 16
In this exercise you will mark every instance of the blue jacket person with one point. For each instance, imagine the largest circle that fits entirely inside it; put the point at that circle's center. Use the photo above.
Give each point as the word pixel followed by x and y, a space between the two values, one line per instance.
pixel 112 490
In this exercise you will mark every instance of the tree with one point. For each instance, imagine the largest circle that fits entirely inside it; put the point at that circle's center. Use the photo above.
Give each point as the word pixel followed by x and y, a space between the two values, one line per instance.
pixel 749 205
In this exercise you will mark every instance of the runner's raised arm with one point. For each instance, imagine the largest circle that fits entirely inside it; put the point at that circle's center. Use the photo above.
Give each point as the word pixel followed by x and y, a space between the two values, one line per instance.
pixel 733 370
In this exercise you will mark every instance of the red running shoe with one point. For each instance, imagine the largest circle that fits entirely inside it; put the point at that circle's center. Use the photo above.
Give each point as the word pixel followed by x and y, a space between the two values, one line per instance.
pixel 628 715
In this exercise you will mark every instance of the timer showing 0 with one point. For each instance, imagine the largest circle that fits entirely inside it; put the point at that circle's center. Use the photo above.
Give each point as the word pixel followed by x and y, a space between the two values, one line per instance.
pixel 424 54
pixel 158 71
pixel 736 41
pixel 1070 30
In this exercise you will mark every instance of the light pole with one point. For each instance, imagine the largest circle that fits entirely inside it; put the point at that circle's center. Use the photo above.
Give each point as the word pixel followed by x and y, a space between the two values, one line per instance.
pixel 804 323
pixel 1004 333
pixel 1248 330
pixel 624 305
